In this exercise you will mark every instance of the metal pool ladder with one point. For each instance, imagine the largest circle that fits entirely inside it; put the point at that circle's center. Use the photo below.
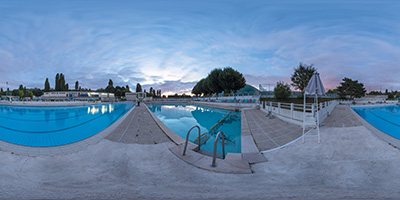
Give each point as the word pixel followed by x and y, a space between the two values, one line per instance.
pixel 215 148
pixel 187 139
pixel 215 144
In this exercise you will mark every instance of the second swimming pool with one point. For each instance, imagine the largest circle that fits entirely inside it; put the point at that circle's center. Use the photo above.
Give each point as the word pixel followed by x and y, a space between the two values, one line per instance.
pixel 385 118
pixel 55 126
pixel 181 117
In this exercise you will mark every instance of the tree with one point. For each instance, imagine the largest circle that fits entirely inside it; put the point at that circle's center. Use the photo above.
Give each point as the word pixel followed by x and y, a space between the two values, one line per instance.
pixel 61 83
pixel 76 85
pixel 57 87
pixel 204 87
pixel 37 92
pixel 119 92
pixel 20 93
pixel 375 93
pixel 127 88
pixel 138 88
pixel 30 94
pixel 390 95
pixel 21 87
pixel 351 88
pixel 282 90
pixel 334 91
pixel 66 87
pixel 15 92
pixel 47 85
pixel 110 87
pixel 231 79
pixel 151 90
pixel 213 81
pixel 302 76
pixel 201 87
pixel 195 90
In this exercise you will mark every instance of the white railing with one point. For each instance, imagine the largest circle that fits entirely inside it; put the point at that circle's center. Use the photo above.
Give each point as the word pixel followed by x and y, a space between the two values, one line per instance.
pixel 294 112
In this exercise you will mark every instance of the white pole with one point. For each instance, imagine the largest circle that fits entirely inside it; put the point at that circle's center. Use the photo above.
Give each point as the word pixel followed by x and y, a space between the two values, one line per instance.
pixel 316 95
pixel 319 138
pixel 304 114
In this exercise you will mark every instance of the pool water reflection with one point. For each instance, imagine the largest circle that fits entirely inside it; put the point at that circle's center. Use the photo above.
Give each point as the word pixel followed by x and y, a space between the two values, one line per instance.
pixel 181 117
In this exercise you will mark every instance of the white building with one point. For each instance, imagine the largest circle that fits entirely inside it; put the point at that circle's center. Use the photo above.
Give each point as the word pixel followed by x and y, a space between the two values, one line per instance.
pixel 78 95
pixel 130 96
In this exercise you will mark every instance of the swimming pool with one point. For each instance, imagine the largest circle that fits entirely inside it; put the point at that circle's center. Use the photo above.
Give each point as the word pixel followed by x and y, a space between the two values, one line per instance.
pixel 384 118
pixel 181 117
pixel 54 126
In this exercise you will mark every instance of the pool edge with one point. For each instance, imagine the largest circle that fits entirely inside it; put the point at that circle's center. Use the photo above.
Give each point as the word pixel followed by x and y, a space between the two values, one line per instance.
pixel 378 133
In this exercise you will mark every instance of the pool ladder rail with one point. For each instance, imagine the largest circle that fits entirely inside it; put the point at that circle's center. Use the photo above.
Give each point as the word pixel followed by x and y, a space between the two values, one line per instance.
pixel 215 144
pixel 216 126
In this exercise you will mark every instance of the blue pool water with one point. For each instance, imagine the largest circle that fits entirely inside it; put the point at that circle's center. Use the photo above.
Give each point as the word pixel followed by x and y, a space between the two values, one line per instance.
pixel 54 126
pixel 384 118
pixel 180 118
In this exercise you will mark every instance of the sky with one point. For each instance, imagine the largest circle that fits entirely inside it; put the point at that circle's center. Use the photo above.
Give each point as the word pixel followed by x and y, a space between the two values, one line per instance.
pixel 171 45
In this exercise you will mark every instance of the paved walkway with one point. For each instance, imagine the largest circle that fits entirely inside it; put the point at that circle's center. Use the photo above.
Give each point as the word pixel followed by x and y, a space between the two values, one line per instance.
pixel 269 133
pixel 342 116
pixel 139 127
pixel 349 163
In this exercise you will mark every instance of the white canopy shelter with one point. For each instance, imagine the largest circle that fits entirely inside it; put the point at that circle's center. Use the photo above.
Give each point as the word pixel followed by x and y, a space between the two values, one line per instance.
pixel 314 87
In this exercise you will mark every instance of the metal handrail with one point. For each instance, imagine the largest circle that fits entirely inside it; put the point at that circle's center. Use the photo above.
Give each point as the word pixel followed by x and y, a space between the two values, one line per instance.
pixel 215 148
pixel 187 139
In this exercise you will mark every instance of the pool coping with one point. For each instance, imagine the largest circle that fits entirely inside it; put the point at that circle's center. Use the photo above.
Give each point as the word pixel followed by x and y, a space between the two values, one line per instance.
pixel 233 163
pixel 170 134
pixel 378 133
pixel 51 104
pixel 63 149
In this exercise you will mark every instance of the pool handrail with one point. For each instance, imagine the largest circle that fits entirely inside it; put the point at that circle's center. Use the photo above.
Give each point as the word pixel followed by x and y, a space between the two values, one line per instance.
pixel 213 126
pixel 215 148
pixel 187 139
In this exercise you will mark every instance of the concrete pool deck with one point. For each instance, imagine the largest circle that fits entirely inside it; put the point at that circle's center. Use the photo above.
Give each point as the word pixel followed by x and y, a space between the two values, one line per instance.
pixel 138 127
pixel 350 163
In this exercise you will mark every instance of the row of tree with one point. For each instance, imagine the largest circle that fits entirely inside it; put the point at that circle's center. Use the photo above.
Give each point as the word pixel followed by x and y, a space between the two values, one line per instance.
pixel 152 92
pixel 119 91
pixel 60 84
pixel 22 92
pixel 220 80
pixel 302 75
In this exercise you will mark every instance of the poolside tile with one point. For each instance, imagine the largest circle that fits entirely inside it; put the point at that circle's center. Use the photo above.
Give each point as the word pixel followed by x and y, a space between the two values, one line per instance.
pixel 282 140
pixel 269 133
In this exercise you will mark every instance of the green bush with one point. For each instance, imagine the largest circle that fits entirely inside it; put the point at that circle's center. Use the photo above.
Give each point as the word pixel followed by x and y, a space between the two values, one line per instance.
pixel 282 90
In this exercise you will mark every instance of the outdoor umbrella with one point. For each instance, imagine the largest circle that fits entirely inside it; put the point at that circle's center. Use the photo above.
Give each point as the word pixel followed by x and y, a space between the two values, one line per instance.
pixel 314 87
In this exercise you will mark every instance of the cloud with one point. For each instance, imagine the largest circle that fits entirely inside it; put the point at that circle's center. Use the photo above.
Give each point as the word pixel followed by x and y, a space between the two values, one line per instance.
pixel 172 87
pixel 171 45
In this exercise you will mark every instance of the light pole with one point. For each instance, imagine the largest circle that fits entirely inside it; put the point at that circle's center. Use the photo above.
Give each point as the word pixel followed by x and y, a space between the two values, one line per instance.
pixel 7 90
